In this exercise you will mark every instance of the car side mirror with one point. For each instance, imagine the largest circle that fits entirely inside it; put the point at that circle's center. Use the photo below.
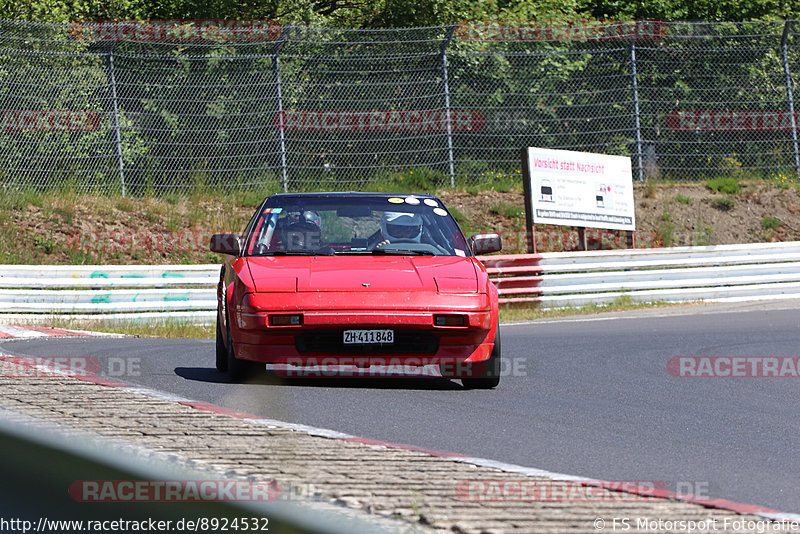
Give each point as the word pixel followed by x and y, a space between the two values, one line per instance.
pixel 486 243
pixel 225 244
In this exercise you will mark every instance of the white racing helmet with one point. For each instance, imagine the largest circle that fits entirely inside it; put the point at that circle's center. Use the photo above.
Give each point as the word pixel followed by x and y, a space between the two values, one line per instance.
pixel 400 226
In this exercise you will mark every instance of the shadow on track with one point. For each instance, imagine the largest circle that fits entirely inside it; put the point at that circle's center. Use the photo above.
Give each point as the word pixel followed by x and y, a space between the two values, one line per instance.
pixel 375 381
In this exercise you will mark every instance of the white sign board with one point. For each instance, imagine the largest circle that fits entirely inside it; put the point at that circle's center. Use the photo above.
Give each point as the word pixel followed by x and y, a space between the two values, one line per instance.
pixel 580 189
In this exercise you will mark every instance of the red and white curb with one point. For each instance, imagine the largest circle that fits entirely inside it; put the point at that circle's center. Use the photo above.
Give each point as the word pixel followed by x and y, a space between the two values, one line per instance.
pixel 30 332
pixel 720 504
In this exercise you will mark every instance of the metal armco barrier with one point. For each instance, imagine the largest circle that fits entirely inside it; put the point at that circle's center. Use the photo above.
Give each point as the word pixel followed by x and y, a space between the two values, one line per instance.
pixel 681 274
pixel 110 291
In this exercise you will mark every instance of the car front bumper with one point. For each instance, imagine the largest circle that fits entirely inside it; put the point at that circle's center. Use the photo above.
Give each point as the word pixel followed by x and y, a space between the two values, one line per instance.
pixel 318 339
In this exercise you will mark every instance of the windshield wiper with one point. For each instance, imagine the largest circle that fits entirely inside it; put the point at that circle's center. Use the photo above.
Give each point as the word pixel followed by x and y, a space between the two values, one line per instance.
pixel 296 253
pixel 402 252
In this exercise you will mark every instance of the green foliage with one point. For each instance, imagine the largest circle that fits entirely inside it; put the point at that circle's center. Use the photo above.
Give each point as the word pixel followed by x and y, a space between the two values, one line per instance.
pixel 770 223
pixel 65 213
pixel 398 13
pixel 45 243
pixel 507 210
pixel 666 229
pixel 486 179
pixel 152 217
pixel 784 180
pixel 422 180
pixel 458 216
pixel 700 10
pixel 502 187
pixel 520 312
pixel 728 186
pixel 416 180
pixel 249 199
pixel 125 204
pixel 683 199
pixel 622 301
pixel 461 220
pixel 723 204
pixel 559 85
pixel 703 235
pixel 79 257
pixel 12 201
pixel 155 328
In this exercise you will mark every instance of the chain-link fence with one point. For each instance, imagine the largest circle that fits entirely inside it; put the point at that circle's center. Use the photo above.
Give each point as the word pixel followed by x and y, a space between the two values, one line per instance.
pixel 146 108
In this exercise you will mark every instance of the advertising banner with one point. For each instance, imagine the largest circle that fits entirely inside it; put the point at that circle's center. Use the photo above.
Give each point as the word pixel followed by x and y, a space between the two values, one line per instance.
pixel 578 189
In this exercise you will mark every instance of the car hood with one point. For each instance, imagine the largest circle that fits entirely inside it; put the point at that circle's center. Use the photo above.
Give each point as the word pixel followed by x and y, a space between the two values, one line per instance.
pixel 450 274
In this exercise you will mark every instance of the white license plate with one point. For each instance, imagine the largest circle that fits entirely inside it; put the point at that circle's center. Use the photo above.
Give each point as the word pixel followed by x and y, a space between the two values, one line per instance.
pixel 365 337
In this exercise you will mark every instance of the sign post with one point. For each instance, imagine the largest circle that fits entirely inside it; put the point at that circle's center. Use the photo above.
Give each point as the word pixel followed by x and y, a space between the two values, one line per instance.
pixel 578 189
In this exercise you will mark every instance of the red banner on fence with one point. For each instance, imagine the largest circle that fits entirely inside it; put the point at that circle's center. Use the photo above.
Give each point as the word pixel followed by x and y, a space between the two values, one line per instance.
pixel 176 30
pixel 710 120
pixel 20 120
pixel 580 30
pixel 380 121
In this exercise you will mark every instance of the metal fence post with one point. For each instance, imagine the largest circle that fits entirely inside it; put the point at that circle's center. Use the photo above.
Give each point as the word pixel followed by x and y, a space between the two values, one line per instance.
pixel 636 117
pixel 276 67
pixel 789 93
pixel 112 84
pixel 443 54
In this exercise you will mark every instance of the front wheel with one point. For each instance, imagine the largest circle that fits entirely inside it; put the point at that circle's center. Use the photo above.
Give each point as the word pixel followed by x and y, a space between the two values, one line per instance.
pixel 490 377
pixel 240 370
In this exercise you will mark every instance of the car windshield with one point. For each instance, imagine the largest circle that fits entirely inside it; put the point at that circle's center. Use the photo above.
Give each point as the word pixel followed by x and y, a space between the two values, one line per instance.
pixel 353 225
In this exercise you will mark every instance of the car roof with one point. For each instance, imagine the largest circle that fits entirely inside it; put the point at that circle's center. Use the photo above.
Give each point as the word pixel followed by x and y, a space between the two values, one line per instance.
pixel 353 194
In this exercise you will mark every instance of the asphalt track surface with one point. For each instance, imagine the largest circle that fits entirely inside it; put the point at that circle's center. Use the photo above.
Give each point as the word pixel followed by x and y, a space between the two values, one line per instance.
pixel 591 396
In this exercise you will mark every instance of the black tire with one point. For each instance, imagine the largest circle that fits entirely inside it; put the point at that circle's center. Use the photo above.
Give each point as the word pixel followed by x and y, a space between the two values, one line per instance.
pixel 222 350
pixel 491 374
pixel 240 370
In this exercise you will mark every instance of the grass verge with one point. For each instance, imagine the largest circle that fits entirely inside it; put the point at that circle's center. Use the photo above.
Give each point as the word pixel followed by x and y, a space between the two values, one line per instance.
pixel 513 312
pixel 163 328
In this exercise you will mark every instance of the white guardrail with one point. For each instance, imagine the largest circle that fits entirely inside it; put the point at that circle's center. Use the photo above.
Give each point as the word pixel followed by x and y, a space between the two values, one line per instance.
pixel 109 291
pixel 715 273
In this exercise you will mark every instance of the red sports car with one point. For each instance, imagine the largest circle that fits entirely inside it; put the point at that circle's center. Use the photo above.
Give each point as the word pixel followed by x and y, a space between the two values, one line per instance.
pixel 357 279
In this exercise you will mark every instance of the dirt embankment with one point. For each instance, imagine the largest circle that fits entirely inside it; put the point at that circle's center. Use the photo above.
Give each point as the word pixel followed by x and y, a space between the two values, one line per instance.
pixel 80 230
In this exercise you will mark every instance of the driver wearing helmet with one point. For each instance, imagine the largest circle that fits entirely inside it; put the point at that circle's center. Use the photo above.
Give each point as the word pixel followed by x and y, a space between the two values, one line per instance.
pixel 400 227
pixel 309 216
pixel 303 232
